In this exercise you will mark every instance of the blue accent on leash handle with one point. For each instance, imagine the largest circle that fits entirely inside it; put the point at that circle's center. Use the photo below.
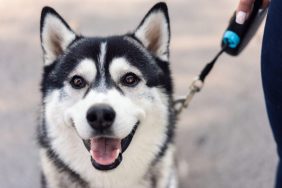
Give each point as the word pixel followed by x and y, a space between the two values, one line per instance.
pixel 231 38
pixel 237 36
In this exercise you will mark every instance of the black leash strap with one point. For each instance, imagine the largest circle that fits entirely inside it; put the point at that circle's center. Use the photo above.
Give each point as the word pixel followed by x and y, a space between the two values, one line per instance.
pixel 207 69
pixel 197 84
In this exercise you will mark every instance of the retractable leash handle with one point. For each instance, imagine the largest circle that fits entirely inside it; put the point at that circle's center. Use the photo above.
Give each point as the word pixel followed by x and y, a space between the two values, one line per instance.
pixel 235 39
pixel 237 36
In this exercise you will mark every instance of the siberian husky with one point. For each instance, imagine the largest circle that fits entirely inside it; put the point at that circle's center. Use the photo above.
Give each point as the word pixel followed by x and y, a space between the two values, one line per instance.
pixel 107 118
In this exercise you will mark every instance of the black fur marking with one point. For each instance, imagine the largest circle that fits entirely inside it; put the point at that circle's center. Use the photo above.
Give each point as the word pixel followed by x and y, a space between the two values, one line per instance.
pixel 161 6
pixel 86 92
pixel 153 181
pixel 62 167
pixel 118 88
pixel 87 144
pixel 43 181
pixel 170 133
pixel 48 10
pixel 42 138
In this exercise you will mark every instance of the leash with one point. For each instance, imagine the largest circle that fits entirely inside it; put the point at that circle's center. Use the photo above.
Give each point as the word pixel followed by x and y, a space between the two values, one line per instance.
pixel 197 84
pixel 235 39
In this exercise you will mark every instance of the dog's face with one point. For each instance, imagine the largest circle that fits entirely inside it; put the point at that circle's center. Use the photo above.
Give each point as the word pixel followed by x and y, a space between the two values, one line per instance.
pixel 113 92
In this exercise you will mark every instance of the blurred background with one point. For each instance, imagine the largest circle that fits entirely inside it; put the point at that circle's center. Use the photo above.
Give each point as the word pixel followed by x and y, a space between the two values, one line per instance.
pixel 224 139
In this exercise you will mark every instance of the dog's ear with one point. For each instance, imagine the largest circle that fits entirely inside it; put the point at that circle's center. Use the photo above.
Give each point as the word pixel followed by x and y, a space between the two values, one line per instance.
pixel 154 31
pixel 55 34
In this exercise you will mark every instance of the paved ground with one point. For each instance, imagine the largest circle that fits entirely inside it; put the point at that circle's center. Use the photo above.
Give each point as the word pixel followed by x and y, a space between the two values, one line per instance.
pixel 224 139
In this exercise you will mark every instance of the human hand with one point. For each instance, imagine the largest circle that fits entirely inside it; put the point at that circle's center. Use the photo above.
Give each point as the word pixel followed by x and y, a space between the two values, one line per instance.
pixel 245 8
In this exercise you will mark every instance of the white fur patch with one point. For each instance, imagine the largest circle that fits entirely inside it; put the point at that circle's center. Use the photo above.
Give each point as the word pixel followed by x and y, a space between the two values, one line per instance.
pixel 127 114
pixel 86 69
pixel 102 57
pixel 54 29
pixel 120 66
pixel 103 51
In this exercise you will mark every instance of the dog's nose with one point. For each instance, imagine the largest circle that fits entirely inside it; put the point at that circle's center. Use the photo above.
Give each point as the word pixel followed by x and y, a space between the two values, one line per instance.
pixel 101 116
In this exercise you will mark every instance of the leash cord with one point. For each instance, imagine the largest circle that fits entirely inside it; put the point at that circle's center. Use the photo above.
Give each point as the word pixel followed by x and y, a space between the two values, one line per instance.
pixel 206 70
pixel 197 84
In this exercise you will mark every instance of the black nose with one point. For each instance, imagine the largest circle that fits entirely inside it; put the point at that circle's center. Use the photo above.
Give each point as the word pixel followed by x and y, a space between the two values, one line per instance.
pixel 100 117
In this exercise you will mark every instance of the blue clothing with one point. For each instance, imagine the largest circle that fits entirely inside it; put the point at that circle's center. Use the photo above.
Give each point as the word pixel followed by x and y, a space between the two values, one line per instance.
pixel 271 66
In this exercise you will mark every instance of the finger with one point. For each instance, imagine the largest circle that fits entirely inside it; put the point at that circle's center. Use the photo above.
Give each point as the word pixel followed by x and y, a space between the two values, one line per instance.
pixel 245 6
pixel 265 3
pixel 243 10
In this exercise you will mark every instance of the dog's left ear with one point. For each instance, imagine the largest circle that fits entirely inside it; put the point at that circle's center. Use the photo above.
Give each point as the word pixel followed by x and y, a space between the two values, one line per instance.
pixel 154 31
pixel 55 34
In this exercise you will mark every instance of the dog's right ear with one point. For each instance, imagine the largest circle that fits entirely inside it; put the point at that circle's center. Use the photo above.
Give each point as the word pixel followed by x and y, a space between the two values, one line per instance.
pixel 55 35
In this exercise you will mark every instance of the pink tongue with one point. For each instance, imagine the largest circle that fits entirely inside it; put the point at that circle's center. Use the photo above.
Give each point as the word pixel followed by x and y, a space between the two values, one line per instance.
pixel 105 150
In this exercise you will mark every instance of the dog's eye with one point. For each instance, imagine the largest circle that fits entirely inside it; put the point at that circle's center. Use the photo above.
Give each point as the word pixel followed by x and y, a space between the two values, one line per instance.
pixel 130 80
pixel 77 82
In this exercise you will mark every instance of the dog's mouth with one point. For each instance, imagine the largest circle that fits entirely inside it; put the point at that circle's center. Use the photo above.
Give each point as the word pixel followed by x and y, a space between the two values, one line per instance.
pixel 106 152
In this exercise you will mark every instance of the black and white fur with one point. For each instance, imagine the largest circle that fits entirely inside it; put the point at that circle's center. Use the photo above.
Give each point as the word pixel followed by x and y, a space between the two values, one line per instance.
pixel 148 161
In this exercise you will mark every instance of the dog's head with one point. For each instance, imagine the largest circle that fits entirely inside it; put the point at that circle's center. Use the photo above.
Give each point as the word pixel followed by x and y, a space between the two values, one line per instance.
pixel 112 91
